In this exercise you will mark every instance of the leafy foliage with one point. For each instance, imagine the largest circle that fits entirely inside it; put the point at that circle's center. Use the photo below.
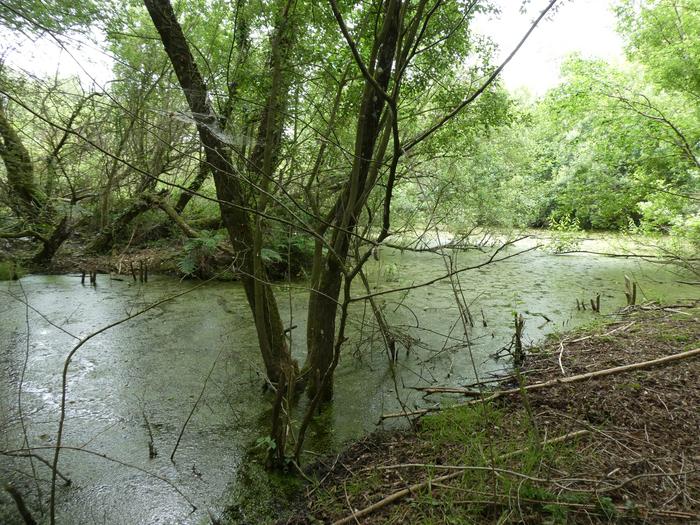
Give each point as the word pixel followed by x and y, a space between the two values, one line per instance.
pixel 36 16
pixel 198 252
pixel 566 234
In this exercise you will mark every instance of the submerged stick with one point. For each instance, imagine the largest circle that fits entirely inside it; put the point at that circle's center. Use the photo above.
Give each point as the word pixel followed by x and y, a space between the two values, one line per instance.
pixel 64 394
pixel 194 407
pixel 21 507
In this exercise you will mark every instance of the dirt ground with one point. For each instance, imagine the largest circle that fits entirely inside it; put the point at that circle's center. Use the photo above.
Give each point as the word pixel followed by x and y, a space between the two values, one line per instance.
pixel 72 258
pixel 630 451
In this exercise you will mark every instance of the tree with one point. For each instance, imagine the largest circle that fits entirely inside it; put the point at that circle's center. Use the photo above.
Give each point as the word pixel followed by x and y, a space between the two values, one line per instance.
pixel 309 118
pixel 383 57
pixel 38 16
pixel 28 199
pixel 660 35
pixel 38 213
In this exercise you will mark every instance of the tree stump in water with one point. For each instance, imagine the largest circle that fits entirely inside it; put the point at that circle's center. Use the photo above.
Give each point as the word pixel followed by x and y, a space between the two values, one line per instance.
pixel 518 352
pixel 630 291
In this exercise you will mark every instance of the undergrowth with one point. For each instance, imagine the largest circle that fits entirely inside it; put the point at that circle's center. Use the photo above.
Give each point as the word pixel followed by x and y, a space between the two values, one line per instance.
pixel 10 271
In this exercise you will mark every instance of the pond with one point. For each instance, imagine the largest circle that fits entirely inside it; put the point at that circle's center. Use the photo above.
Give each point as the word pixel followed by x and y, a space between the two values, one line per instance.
pixel 143 378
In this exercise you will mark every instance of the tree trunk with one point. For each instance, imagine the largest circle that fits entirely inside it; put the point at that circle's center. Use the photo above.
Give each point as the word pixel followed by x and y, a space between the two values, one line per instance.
pixel 33 204
pixel 320 332
pixel 327 274
pixel 108 235
pixel 20 171
pixel 54 241
pixel 268 323
pixel 171 212
pixel 194 187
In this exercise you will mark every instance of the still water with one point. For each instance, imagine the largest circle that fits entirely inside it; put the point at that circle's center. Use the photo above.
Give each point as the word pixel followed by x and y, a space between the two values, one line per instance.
pixel 143 377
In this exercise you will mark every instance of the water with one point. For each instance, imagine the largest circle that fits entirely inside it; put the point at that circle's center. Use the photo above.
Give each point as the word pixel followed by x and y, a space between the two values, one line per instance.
pixel 149 372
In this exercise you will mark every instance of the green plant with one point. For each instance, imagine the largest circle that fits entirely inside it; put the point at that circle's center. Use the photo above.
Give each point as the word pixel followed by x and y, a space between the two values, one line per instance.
pixel 566 234
pixel 608 507
pixel 391 273
pixel 270 256
pixel 287 255
pixel 266 444
pixel 198 253
pixel 10 271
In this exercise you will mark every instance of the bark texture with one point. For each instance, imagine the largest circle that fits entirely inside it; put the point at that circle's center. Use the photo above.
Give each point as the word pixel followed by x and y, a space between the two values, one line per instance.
pixel 268 323
pixel 29 200
pixel 106 238
pixel 196 184
pixel 327 273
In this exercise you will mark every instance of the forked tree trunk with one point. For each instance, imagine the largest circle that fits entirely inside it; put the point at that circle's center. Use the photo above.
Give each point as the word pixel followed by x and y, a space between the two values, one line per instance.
pixel 327 274
pixel 54 241
pixel 270 330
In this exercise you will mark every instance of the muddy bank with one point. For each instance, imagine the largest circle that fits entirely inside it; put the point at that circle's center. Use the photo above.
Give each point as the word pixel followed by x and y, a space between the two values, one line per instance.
pixel 188 258
pixel 623 448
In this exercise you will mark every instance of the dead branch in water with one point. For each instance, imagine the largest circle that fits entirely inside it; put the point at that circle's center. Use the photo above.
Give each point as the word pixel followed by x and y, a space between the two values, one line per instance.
pixel 21 507
pixel 194 407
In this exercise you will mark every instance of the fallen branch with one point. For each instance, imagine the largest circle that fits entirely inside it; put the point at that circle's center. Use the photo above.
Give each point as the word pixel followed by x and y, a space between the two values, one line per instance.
pixel 65 478
pixel 414 413
pixel 546 384
pixel 188 230
pixel 391 498
pixel 163 204
pixel 621 255
pixel 506 499
pixel 561 354
pixel 615 330
pixel 22 234
pixel 561 344
pixel 447 390
pixel 652 307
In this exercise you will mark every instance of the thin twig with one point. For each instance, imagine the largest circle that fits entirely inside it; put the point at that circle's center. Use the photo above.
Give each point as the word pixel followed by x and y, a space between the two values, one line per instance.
pixel 64 386
pixel 194 407
pixel 418 486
